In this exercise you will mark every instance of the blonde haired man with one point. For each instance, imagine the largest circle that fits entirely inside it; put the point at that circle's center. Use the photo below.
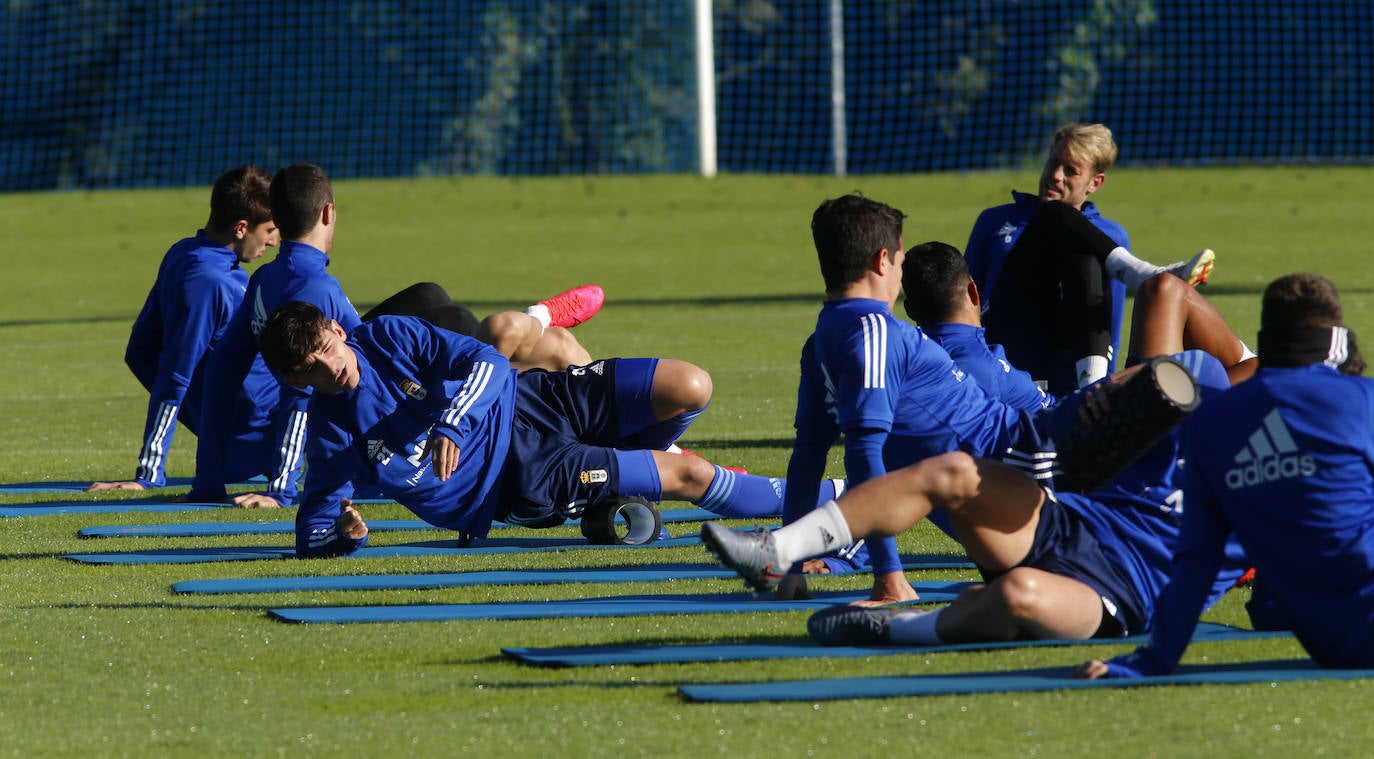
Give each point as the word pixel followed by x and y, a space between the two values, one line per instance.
pixel 1061 315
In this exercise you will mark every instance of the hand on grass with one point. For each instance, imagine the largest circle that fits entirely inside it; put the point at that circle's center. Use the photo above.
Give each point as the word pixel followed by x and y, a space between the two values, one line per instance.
pixel 97 487
pixel 350 522
pixel 1091 670
pixel 255 501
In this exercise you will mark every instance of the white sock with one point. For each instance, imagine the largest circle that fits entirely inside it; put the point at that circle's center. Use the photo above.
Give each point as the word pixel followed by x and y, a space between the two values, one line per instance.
pixel 1120 264
pixel 821 531
pixel 1090 369
pixel 1245 353
pixel 917 626
pixel 541 314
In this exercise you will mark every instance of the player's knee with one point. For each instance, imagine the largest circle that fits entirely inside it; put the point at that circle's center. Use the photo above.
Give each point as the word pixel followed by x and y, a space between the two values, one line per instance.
pixel 1021 592
pixel 682 385
pixel 1162 287
pixel 950 479
pixel 503 327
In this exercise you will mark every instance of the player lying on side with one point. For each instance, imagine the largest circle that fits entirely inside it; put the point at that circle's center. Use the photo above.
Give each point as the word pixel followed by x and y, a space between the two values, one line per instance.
pixel 1283 464
pixel 256 425
pixel 440 422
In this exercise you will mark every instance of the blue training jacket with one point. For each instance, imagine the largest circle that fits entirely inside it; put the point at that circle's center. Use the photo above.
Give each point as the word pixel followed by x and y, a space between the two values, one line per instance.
pixel 414 379
pixel 1284 462
pixel 199 285
pixel 897 397
pixel 257 424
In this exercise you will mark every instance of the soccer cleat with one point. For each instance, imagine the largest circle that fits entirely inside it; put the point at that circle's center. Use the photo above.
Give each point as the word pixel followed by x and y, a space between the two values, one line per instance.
pixel 572 307
pixel 1195 270
pixel 851 625
pixel 752 554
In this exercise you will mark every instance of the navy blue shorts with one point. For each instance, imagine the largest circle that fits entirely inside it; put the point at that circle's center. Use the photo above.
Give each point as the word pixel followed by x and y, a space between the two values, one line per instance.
pixel 573 442
pixel 1064 546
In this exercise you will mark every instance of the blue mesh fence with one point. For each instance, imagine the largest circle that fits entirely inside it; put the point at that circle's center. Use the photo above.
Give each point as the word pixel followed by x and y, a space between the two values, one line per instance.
pixel 128 93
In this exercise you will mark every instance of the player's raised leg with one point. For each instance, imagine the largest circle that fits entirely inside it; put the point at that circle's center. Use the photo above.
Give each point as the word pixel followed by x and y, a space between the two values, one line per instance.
pixel 1170 317
pixel 993 508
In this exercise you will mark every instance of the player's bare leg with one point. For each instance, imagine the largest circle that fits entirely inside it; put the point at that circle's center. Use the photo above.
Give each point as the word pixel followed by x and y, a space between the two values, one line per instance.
pixel 683 478
pixel 1023 603
pixel 994 510
pixel 510 332
pixel 521 338
pixel 679 388
pixel 1170 316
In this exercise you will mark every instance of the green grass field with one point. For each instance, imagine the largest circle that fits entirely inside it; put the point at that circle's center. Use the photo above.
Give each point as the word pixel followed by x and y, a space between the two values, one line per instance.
pixel 108 661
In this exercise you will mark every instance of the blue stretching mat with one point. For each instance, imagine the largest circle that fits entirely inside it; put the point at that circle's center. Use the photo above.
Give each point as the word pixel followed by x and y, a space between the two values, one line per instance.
pixel 287 526
pixel 1014 681
pixel 583 656
pixel 426 548
pixel 219 529
pixel 72 486
pixel 639 573
pixel 429 581
pixel 116 506
pixel 615 606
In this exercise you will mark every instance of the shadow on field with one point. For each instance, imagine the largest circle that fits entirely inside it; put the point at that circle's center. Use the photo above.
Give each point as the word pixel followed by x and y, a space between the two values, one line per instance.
pixel 733 443
pixel 483 307
pixel 486 306
pixel 121 319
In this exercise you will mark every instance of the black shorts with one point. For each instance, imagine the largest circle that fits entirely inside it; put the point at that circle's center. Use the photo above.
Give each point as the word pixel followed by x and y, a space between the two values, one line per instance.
pixel 1065 546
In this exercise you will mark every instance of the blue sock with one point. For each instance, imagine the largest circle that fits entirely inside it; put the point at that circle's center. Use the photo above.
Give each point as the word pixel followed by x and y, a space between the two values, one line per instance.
pixel 731 494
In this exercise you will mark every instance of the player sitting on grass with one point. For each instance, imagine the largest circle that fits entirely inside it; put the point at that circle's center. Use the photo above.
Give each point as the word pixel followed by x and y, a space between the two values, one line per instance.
pixel 1062 565
pixel 1170 316
pixel 199 285
pixel 1055 271
pixel 1283 465
pixel 894 394
pixel 442 424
